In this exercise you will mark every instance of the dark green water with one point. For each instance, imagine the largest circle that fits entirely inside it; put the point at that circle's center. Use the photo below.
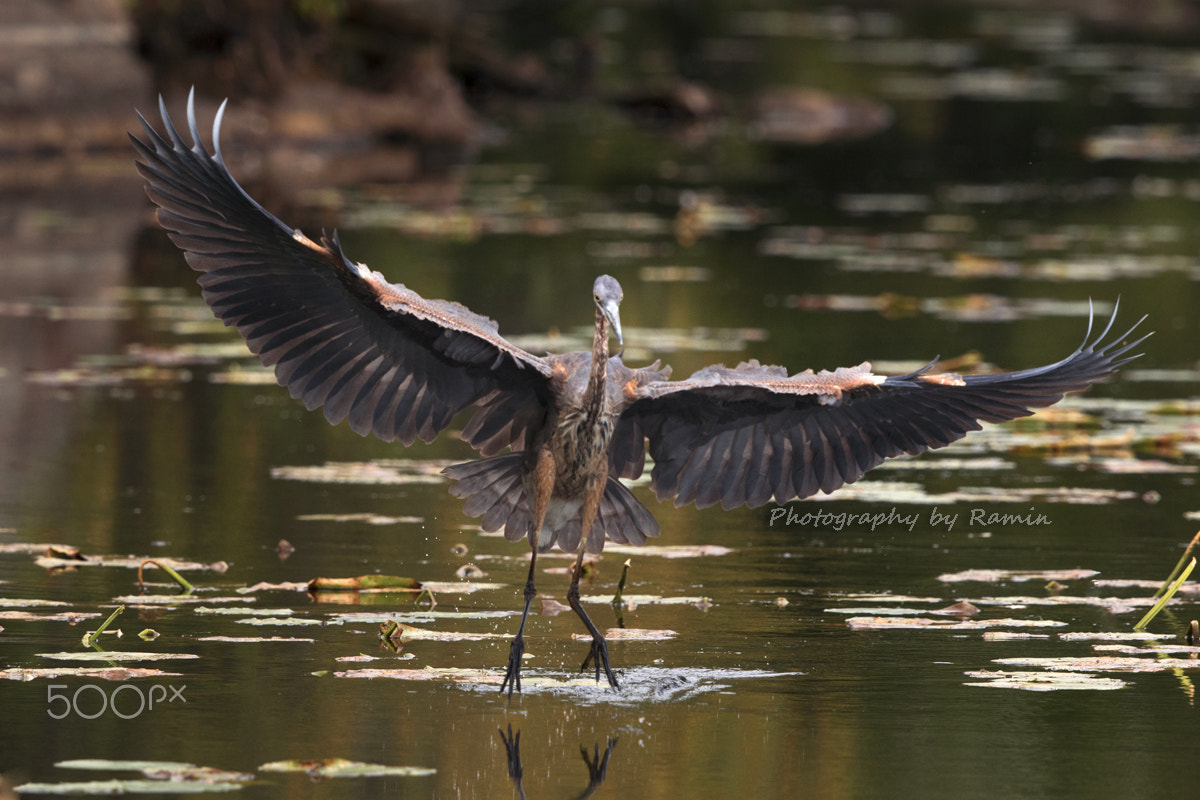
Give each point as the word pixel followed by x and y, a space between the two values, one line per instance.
pixel 976 221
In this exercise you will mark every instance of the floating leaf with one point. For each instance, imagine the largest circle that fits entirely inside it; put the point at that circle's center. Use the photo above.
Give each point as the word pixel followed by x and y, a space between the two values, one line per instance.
pixel 117 655
pixel 892 623
pixel 1111 604
pixel 169 771
pixel 413 617
pixel 884 597
pixel 670 551
pixel 287 586
pixel 1043 681
pixel 66 616
pixel 452 674
pixel 959 609
pixel 244 612
pixel 14 602
pixel 118 765
pixel 103 673
pixel 28 547
pixel 370 519
pixel 634 600
pixel 129 562
pixel 284 621
pixel 409 633
pixel 127 787
pixel 458 587
pixel 252 639
pixel 632 634
pixel 552 608
pixel 877 611
pixel 1102 663
pixel 343 768
pixel 175 599
pixel 392 472
pixel 1011 636
pixel 365 583
pixel 1150 650
pixel 1113 636
pixel 1017 575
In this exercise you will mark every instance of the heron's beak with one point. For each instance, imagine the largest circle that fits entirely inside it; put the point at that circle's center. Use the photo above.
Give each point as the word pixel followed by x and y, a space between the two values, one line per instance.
pixel 612 313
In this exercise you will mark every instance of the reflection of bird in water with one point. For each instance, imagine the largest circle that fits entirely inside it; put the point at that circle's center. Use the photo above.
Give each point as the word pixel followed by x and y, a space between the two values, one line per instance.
pixel 597 764
pixel 400 366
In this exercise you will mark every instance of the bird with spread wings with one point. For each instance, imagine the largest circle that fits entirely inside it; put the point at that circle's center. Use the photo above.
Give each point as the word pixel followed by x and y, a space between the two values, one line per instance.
pixel 557 432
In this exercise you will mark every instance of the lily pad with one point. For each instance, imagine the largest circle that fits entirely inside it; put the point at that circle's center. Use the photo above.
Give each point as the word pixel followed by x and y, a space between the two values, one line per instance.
pixel 117 655
pixel 244 612
pixel 65 616
pixel 287 586
pixel 170 771
pixel 634 600
pixel 175 599
pixel 460 587
pixel 409 633
pixel 377 617
pixel 670 551
pixel 884 597
pixel 632 634
pixel 1150 650
pixel 1017 575
pixel 881 611
pixel 447 674
pixel 366 583
pixel 102 673
pixel 129 562
pixel 343 768
pixel 1102 663
pixel 139 786
pixel 926 623
pixel 1011 636
pixel 15 602
pixel 1043 681
pixel 286 621
pixel 369 519
pixel 1113 636
pixel 390 472
pixel 253 639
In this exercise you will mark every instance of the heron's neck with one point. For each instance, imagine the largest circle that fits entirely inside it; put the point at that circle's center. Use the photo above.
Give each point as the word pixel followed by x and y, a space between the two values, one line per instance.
pixel 595 389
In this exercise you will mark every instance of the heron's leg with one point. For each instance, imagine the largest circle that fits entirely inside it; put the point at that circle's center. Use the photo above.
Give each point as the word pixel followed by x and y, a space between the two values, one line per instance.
pixel 516 650
pixel 542 487
pixel 599 649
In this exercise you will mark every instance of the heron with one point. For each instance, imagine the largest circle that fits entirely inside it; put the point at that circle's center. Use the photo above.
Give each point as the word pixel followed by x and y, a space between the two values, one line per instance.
pixel 557 433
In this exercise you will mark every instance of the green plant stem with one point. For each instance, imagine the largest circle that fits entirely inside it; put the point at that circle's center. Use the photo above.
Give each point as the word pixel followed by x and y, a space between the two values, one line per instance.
pixel 1153 612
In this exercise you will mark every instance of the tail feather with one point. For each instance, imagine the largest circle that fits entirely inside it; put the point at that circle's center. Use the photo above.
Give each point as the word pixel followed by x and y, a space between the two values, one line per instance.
pixel 623 517
pixel 494 488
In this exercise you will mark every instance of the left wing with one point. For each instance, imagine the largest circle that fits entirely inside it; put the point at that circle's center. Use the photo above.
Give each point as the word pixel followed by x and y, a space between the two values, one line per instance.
pixel 745 435
pixel 394 363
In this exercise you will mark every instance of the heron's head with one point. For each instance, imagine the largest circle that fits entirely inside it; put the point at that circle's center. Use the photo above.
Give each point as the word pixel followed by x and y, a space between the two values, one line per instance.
pixel 607 294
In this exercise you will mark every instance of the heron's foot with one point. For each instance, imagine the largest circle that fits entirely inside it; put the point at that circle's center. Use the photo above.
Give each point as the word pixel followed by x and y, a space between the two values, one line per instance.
pixel 599 654
pixel 512 678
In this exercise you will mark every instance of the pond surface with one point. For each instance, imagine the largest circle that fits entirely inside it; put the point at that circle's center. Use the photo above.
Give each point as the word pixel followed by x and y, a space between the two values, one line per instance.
pixel 1031 162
